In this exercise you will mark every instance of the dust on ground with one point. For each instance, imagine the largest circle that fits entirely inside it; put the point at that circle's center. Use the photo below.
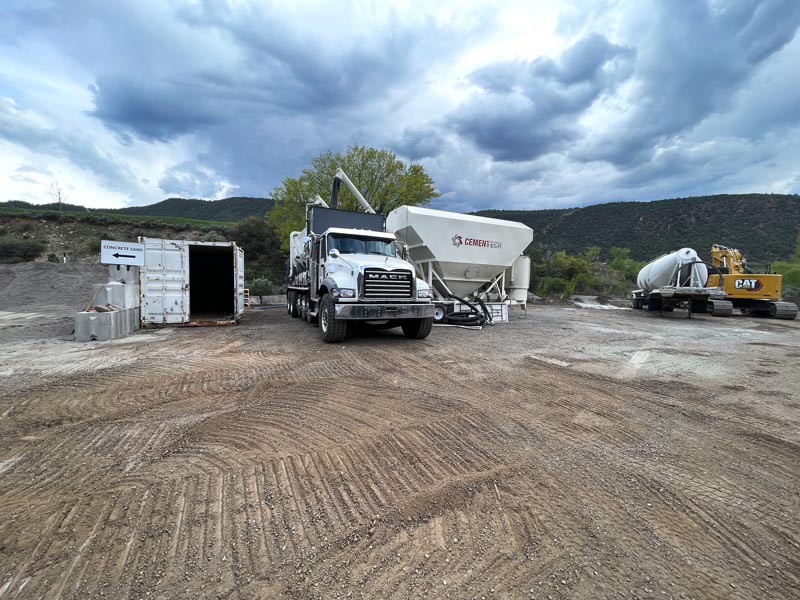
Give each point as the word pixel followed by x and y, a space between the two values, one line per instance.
pixel 573 454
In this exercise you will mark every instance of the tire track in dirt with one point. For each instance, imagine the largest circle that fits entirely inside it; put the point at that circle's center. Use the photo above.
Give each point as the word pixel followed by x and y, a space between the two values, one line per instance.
pixel 250 471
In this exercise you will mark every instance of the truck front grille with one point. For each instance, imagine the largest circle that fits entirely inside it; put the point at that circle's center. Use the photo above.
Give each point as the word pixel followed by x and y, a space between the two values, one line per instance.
pixel 383 284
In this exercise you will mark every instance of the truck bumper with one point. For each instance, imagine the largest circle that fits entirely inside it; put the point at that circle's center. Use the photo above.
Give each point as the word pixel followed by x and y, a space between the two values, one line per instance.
pixel 381 312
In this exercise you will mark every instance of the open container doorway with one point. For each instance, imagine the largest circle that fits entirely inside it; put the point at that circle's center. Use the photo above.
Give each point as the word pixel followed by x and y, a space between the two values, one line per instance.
pixel 212 284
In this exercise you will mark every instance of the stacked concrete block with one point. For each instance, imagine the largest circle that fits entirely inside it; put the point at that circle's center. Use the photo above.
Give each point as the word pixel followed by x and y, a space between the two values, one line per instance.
pixel 114 311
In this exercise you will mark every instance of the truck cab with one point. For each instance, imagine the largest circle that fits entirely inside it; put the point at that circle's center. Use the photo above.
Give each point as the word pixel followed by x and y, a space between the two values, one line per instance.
pixel 343 274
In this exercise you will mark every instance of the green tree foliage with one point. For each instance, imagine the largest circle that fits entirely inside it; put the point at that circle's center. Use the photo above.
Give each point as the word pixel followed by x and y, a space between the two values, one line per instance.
pixel 791 272
pixel 262 255
pixel 796 256
pixel 763 226
pixel 558 273
pixel 385 182
pixel 261 286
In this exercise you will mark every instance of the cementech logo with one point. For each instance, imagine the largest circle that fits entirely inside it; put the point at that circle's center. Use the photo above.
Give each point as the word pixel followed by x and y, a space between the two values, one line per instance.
pixel 462 241
pixel 752 285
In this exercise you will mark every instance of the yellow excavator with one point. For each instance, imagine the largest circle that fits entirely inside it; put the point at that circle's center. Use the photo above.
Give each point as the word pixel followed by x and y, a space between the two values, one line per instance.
pixel 757 294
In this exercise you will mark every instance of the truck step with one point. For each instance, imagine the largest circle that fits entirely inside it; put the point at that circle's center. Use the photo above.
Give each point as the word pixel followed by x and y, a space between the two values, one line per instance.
pixel 783 310
pixel 720 308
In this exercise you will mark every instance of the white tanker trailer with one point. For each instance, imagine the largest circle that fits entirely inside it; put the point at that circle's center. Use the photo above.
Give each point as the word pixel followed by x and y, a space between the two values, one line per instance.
pixel 466 260
pixel 678 279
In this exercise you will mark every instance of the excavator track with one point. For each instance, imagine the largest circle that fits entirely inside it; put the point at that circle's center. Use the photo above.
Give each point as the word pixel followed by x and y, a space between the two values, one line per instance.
pixel 783 310
pixel 719 308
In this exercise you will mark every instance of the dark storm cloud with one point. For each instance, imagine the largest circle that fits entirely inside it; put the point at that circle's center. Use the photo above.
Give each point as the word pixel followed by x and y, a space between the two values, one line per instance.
pixel 690 64
pixel 527 109
pixel 152 110
pixel 278 69
pixel 416 144
pixel 307 73
pixel 647 97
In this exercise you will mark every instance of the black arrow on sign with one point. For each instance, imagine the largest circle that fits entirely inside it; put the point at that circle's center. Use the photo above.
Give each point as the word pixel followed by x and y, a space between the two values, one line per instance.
pixel 118 255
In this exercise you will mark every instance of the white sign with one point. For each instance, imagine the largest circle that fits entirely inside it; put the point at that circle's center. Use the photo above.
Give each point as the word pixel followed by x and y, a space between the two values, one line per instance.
pixel 121 253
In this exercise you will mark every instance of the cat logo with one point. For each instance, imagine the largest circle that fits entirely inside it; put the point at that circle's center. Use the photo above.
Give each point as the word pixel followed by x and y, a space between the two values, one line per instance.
pixel 752 285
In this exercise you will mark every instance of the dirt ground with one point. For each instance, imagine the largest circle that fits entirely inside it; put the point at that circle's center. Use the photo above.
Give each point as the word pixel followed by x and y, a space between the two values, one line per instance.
pixel 578 453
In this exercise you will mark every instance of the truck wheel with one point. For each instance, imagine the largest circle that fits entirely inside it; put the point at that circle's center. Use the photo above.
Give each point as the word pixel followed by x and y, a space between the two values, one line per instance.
pixel 439 313
pixel 311 320
pixel 417 329
pixel 291 303
pixel 332 329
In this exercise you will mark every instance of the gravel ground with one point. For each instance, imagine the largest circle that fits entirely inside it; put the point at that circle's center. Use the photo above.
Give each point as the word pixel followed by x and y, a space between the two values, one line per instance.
pixel 578 453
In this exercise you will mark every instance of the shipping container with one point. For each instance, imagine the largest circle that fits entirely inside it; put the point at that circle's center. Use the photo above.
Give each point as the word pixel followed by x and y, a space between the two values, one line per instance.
pixel 191 283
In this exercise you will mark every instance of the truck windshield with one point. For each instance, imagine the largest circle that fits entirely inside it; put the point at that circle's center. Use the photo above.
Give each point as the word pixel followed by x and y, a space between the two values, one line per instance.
pixel 354 244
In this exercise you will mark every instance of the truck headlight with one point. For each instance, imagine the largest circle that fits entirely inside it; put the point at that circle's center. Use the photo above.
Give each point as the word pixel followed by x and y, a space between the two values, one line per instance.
pixel 424 293
pixel 338 292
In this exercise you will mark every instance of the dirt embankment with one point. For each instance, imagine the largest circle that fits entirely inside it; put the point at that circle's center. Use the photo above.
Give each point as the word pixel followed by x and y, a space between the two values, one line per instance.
pixel 575 454
pixel 80 241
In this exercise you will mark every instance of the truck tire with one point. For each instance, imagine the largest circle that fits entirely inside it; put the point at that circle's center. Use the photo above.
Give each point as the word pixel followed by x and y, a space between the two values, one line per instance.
pixel 332 329
pixel 310 319
pixel 439 313
pixel 291 303
pixel 417 329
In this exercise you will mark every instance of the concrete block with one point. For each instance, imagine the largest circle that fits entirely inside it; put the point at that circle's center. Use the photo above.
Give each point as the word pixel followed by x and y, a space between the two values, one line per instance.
pixel 124 274
pixel 116 293
pixel 103 326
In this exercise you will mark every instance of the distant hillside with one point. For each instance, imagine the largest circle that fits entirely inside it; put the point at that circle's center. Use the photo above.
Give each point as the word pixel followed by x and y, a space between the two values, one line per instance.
pixel 228 210
pixel 763 226
pixel 231 210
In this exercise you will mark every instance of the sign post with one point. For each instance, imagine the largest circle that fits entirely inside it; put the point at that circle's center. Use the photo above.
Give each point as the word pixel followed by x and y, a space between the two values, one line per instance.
pixel 121 253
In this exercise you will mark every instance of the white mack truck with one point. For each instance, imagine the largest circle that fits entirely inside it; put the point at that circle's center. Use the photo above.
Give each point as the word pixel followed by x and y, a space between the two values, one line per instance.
pixel 344 266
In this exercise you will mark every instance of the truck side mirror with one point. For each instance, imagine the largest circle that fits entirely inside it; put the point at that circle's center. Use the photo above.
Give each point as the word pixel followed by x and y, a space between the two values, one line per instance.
pixel 334 253
pixel 401 249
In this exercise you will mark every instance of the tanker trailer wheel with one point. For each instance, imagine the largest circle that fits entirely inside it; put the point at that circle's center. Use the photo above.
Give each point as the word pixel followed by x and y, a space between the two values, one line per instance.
pixel 310 319
pixel 417 329
pixel 332 329
pixel 302 305
pixel 439 313
pixel 291 303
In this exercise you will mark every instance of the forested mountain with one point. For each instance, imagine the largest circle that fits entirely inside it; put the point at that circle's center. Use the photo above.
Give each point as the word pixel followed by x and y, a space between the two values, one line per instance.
pixel 231 210
pixel 763 226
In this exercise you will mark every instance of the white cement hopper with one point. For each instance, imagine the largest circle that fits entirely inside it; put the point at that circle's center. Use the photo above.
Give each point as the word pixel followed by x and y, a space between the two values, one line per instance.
pixel 673 269
pixel 466 252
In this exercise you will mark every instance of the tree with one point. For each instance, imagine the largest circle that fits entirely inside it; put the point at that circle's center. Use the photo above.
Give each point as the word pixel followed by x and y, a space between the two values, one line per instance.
pixel 56 192
pixel 385 181
pixel 796 257
pixel 260 244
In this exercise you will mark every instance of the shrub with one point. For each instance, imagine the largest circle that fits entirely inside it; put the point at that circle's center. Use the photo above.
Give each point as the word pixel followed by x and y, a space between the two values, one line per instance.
pixel 790 272
pixel 554 286
pixel 211 236
pixel 261 286
pixel 15 250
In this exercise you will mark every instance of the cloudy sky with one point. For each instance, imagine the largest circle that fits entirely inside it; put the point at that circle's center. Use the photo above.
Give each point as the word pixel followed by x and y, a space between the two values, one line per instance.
pixel 508 104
